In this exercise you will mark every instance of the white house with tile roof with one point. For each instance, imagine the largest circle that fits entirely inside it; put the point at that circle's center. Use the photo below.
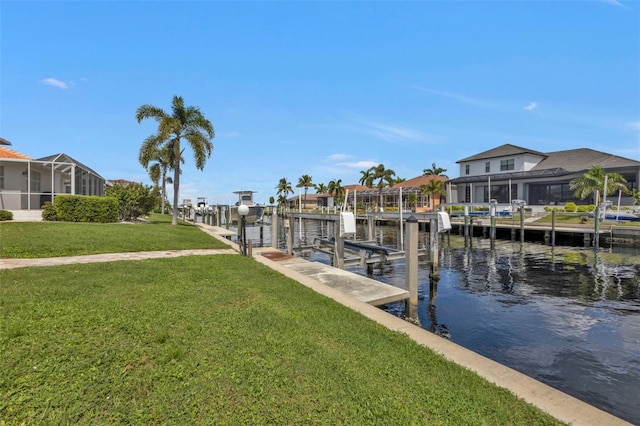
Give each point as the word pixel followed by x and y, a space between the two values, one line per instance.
pixel 27 183
pixel 510 172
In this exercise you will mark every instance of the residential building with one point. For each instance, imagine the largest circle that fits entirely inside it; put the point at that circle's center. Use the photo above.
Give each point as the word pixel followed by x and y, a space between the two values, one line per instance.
pixel 510 172
pixel 27 183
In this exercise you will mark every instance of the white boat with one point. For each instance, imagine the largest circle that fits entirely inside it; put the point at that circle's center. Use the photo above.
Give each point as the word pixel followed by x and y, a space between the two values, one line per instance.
pixel 255 210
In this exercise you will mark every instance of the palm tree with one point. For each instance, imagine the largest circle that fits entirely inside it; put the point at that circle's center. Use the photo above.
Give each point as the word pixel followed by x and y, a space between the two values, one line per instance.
pixel 433 187
pixel 185 122
pixel 384 177
pixel 162 162
pixel 593 180
pixel 305 182
pixel 437 171
pixel 321 188
pixel 284 189
pixel 412 199
pixel 336 190
pixel 367 177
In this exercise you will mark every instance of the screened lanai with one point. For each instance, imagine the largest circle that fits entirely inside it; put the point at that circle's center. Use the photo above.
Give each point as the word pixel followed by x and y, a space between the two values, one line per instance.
pixel 27 183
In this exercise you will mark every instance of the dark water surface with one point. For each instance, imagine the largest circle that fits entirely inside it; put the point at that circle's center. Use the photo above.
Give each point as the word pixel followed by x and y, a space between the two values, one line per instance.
pixel 566 316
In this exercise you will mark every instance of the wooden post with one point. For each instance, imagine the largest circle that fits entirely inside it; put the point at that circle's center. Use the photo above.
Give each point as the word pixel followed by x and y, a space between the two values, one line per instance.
pixel 370 227
pixel 596 233
pixel 522 224
pixel 274 230
pixel 433 246
pixel 411 268
pixel 338 250
pixel 290 234
pixel 553 228
pixel 492 230
pixel 466 221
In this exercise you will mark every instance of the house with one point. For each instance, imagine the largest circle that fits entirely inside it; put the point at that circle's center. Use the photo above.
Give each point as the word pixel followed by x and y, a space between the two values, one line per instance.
pixel 371 197
pixel 510 172
pixel 27 183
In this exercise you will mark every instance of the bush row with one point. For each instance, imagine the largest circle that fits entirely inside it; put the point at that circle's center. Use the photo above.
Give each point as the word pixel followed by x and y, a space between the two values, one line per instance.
pixel 81 208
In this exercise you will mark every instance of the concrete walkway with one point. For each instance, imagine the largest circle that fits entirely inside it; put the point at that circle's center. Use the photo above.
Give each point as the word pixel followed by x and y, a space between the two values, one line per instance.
pixel 558 404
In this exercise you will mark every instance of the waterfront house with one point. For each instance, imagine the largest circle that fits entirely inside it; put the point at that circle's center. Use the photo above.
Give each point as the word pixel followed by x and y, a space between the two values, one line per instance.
pixel 27 183
pixel 510 172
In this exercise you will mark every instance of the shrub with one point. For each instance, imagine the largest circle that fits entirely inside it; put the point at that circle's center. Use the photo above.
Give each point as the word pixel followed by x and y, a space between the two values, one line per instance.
pixel 49 212
pixel 585 208
pixel 5 215
pixel 570 207
pixel 133 200
pixel 82 208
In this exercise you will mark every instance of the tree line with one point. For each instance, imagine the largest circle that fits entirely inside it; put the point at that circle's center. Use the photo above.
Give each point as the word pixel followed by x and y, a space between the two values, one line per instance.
pixel 162 152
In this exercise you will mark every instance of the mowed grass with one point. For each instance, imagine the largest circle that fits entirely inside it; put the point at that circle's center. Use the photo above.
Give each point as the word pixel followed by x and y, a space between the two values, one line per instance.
pixel 575 219
pixel 217 340
pixel 53 239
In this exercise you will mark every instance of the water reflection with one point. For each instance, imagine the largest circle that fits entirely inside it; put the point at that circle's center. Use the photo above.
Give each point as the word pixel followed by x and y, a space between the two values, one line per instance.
pixel 567 316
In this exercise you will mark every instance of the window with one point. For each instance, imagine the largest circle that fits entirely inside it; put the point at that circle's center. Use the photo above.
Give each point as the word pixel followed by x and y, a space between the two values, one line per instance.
pixel 1 177
pixel 35 181
pixel 507 165
pixel 466 169
pixel 487 167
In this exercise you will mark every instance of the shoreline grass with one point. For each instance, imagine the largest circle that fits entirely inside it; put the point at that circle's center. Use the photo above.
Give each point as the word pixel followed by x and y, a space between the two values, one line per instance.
pixel 214 340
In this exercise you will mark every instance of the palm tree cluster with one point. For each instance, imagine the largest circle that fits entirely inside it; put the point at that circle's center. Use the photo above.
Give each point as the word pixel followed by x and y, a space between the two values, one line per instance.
pixel 163 148
pixel 379 177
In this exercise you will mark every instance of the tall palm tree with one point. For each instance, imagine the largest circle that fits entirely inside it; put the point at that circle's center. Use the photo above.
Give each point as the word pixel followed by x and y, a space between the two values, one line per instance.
pixel 437 171
pixel 384 177
pixel 593 180
pixel 336 190
pixel 162 160
pixel 284 189
pixel 184 122
pixel 305 182
pixel 433 187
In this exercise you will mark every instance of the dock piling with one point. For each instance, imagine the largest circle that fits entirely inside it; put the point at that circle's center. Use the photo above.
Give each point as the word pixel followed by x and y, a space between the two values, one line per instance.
pixel 411 266
pixel 274 230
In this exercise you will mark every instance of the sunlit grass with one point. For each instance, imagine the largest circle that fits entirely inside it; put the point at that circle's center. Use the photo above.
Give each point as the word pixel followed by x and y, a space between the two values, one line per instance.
pixel 52 239
pixel 217 340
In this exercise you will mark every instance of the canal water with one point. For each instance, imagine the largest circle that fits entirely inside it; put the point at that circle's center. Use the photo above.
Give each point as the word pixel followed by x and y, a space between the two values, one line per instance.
pixel 566 316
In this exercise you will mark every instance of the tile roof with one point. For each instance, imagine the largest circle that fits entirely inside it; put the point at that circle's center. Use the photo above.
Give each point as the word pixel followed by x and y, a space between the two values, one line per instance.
pixel 418 181
pixel 9 153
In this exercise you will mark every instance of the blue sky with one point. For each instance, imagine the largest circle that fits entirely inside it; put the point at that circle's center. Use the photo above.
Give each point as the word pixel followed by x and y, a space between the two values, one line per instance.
pixel 320 88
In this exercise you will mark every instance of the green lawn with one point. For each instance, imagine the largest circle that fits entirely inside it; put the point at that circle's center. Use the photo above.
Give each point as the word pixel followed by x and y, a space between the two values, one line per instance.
pixel 216 339
pixel 52 239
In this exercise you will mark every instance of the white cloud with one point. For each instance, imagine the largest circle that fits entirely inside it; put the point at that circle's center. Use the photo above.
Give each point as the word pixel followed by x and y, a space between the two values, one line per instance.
pixel 55 83
pixel 468 100
pixel 232 134
pixel 531 106
pixel 338 157
pixel 395 133
pixel 614 3
pixel 361 165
